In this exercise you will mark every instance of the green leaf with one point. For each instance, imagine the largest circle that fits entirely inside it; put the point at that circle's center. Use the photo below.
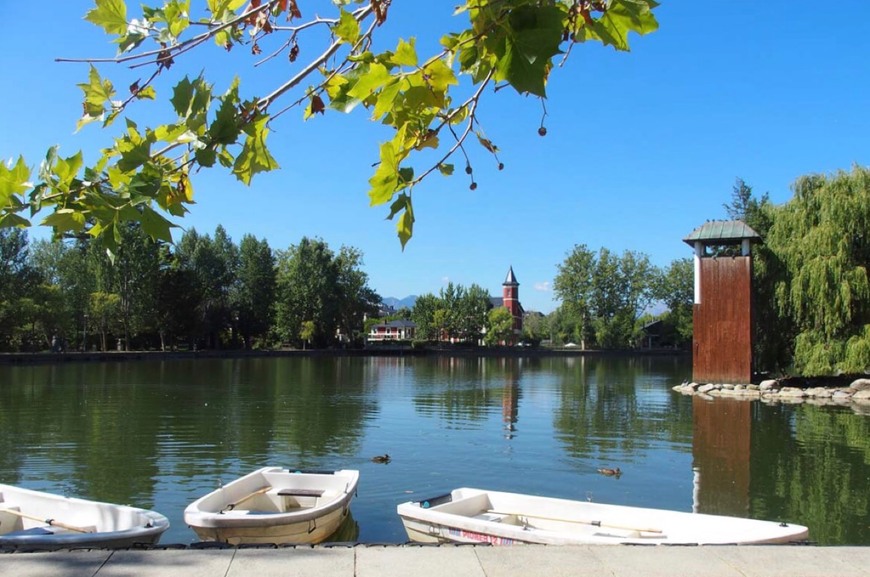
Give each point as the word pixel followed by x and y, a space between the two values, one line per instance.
pixel 347 28
pixel 156 225
pixel 176 13
pixel 205 157
pixel 66 170
pixel 97 93
pixel 11 220
pixel 533 39
pixel 255 156
pixel 439 75
pixel 386 99
pixel 110 15
pixel 445 169
pixel 147 92
pixel 385 181
pixel 406 53
pixel 405 224
pixel 622 17
pixel 135 150
pixel 225 129
pixel 182 94
pixel 14 179
pixel 372 80
pixel 65 219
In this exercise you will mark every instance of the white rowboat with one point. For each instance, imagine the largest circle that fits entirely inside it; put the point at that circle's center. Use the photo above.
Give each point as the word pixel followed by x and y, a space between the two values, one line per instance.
pixel 37 520
pixel 475 515
pixel 275 505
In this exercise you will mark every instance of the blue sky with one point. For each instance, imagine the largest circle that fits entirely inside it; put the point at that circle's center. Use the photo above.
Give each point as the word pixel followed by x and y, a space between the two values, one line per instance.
pixel 642 147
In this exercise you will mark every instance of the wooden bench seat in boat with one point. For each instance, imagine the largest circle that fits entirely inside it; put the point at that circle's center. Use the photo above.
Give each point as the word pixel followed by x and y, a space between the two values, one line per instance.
pixel 300 492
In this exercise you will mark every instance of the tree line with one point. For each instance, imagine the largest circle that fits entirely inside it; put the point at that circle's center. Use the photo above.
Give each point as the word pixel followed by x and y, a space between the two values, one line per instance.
pixel 204 292
pixel 606 302
pixel 810 282
pixel 208 292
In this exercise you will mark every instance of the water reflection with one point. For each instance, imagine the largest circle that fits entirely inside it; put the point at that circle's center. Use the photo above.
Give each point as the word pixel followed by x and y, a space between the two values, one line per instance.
pixel 160 434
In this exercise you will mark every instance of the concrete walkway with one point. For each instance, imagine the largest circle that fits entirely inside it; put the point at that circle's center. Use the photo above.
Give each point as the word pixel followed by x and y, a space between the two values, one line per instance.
pixel 452 561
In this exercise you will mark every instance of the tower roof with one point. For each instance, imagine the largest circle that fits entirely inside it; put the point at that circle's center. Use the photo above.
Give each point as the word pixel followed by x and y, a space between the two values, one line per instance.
pixel 510 279
pixel 722 232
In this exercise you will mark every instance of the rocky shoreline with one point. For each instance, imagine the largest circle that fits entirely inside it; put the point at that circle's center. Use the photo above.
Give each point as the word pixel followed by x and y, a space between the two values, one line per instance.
pixel 789 391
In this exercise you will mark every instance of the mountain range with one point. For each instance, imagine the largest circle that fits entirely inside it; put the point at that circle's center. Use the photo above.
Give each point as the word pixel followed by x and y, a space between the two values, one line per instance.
pixel 407 302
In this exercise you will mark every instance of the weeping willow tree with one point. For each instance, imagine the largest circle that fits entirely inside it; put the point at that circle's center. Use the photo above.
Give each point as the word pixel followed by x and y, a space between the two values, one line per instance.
pixel 821 239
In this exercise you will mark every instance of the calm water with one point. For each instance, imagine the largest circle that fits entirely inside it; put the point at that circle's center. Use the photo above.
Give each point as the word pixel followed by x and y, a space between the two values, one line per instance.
pixel 158 434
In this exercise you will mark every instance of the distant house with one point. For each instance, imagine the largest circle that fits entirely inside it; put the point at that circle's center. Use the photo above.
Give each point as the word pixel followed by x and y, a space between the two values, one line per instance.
pixel 651 334
pixel 399 330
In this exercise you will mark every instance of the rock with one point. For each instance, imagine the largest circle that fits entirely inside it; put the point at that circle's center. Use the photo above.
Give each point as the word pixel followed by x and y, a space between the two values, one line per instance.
pixel 706 388
pixel 819 392
pixel 839 395
pixel 860 385
pixel 863 395
pixel 792 392
pixel 768 385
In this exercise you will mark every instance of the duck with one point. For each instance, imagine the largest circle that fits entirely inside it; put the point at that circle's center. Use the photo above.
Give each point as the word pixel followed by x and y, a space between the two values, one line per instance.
pixel 610 472
pixel 385 458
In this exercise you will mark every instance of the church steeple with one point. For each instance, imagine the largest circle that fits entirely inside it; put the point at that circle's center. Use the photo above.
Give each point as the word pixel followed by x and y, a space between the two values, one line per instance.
pixel 511 300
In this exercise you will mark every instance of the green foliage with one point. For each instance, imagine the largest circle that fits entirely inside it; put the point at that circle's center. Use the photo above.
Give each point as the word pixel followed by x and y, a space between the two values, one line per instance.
pixel 499 327
pixel 428 103
pixel 423 315
pixel 820 244
pixel 253 295
pixel 603 294
pixel 675 289
pixel 316 285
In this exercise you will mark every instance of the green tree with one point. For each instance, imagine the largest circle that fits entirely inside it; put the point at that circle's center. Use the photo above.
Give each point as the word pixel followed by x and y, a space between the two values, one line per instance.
pixel 423 315
pixel 61 264
pixel 606 293
pixel 820 238
pixel 426 101
pixel 254 296
pixel 356 299
pixel 307 290
pixel 213 263
pixel 536 328
pixel 574 286
pixel 306 332
pixel 178 299
pixel 675 289
pixel 499 326
pixel 471 316
pixel 17 281
pixel 105 314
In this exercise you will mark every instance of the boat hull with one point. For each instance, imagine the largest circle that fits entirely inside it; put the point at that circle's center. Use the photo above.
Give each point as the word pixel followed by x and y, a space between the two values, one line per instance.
pixel 275 506
pixel 36 520
pixel 478 516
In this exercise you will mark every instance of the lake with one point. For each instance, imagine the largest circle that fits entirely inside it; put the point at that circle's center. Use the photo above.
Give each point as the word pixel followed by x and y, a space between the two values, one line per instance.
pixel 160 433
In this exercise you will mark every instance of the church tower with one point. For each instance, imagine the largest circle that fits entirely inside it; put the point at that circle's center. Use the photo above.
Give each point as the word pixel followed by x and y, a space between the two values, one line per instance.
pixel 511 301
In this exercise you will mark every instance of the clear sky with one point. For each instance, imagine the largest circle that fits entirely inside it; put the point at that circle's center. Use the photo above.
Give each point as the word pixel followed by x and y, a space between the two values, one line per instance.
pixel 642 147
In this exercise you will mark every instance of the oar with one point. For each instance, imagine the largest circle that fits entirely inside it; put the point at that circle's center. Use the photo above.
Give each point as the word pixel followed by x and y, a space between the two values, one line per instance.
pixel 582 522
pixel 49 522
pixel 232 506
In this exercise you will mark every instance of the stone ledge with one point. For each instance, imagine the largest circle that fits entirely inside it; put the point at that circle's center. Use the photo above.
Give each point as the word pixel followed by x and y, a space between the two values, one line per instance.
pixel 856 394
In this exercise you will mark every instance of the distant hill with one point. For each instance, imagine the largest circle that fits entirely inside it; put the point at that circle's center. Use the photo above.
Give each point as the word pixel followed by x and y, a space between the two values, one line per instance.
pixel 407 302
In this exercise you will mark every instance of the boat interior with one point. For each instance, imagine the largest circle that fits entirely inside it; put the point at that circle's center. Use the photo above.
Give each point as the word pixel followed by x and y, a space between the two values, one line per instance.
pixel 277 500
